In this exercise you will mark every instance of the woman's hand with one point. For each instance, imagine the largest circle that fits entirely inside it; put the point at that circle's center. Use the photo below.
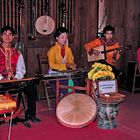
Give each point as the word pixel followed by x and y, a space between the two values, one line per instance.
pixel 68 65
pixel 71 66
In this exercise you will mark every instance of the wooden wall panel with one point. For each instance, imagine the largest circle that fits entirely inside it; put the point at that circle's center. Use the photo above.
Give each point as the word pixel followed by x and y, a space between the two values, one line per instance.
pixel 33 65
pixel 41 44
pixel 85 28
pixel 124 15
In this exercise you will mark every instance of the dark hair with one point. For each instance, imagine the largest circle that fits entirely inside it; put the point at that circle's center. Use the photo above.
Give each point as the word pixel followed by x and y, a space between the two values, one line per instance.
pixel 108 28
pixel 59 31
pixel 5 28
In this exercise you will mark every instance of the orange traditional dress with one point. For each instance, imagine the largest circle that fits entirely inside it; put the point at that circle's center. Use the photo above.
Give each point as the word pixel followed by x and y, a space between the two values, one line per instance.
pixel 112 44
pixel 56 60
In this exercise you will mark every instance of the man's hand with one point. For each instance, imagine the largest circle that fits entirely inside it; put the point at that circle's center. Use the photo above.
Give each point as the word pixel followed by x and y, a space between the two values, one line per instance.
pixel 95 52
pixel 3 79
pixel 14 78
pixel 92 51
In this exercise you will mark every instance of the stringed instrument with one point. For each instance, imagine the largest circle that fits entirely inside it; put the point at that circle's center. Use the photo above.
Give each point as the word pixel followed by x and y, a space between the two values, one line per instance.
pixel 45 24
pixel 19 44
pixel 94 57
pixel 101 53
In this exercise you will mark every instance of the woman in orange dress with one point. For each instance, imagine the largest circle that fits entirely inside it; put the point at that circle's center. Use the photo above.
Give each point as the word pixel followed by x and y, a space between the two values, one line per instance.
pixel 61 58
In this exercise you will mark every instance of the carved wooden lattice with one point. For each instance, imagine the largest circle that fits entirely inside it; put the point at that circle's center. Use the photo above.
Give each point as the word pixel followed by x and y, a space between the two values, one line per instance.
pixel 64 12
pixel 10 11
pixel 37 8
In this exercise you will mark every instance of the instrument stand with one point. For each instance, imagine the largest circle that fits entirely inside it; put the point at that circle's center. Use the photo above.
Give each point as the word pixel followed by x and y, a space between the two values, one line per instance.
pixel 23 121
pixel 16 89
pixel 20 100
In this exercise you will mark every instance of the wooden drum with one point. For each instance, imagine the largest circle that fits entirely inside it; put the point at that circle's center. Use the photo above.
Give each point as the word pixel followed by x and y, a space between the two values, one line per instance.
pixel 76 110
pixel 107 113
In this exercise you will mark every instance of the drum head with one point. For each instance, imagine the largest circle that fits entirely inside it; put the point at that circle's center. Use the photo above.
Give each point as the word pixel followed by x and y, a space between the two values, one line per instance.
pixel 76 110
pixel 45 25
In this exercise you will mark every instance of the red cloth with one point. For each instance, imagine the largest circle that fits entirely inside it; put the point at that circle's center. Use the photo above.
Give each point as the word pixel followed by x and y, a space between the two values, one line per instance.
pixel 14 58
pixel 63 52
pixel 138 55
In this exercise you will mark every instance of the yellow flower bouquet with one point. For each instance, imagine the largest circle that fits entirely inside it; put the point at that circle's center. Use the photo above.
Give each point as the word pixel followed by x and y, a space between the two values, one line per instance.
pixel 100 72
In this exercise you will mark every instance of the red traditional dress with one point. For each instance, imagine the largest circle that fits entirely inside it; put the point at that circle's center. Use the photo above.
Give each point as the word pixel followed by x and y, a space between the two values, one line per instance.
pixel 8 62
